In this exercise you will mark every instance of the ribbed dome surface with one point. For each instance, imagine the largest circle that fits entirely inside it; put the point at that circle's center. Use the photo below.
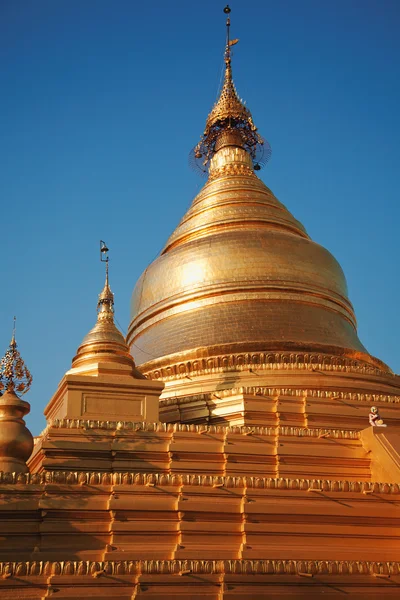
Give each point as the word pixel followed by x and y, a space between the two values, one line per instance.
pixel 240 274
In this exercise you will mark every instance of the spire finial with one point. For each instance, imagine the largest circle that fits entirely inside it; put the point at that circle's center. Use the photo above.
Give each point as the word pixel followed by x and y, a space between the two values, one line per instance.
pixel 105 304
pixel 230 122
pixel 227 11
pixel 13 342
pixel 14 374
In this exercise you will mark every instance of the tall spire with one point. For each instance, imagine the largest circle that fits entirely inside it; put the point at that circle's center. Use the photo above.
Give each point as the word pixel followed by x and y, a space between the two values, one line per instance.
pixel 230 122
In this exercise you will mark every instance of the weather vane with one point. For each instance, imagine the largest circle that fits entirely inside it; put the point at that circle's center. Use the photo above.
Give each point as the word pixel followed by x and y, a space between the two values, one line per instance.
pixel 14 374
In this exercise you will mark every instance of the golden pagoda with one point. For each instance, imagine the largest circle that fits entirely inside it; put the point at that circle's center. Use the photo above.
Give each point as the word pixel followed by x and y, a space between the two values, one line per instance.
pixel 241 302
pixel 255 455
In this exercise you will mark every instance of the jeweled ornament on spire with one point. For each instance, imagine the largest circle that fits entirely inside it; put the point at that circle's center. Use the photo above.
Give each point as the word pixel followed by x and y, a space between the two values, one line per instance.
pixel 230 121
pixel 14 374
pixel 16 441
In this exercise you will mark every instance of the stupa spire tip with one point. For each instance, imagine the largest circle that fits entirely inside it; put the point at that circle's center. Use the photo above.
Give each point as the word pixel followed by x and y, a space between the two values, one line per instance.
pixel 229 116
pixel 105 303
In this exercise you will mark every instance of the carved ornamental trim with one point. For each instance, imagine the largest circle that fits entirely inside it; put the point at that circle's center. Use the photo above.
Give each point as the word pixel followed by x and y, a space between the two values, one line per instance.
pixel 280 392
pixel 262 361
pixel 82 478
pixel 158 427
pixel 235 169
pixel 195 566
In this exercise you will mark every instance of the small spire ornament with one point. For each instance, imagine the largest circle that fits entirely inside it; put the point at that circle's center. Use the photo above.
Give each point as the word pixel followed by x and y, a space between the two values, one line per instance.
pixel 14 374
pixel 105 304
pixel 16 441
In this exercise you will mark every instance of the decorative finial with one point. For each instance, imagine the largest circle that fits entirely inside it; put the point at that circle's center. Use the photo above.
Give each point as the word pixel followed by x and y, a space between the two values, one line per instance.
pixel 230 123
pixel 229 42
pixel 14 374
pixel 16 441
pixel 13 342
pixel 105 304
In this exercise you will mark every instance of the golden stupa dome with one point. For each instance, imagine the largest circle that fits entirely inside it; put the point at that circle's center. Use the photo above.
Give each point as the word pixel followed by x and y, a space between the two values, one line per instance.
pixel 239 274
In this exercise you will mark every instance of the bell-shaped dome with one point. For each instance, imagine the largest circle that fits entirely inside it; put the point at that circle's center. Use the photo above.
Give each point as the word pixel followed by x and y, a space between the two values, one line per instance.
pixel 239 274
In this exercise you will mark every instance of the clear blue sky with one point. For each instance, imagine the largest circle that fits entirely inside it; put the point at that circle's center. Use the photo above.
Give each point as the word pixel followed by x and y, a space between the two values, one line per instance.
pixel 101 102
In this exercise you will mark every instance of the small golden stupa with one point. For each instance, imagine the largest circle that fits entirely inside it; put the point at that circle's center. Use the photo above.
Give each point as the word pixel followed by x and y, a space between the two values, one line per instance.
pixel 103 382
pixel 104 343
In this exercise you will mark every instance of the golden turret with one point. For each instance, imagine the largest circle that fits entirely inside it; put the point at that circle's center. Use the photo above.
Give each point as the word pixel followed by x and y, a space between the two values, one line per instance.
pixel 16 441
pixel 104 343
pixel 103 383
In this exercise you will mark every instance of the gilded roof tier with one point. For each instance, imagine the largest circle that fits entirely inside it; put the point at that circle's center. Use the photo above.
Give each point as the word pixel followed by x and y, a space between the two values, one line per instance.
pixel 228 105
